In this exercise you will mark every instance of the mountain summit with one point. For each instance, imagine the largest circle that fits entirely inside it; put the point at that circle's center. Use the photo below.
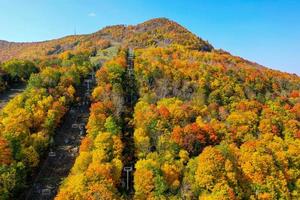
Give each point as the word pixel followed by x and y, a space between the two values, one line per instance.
pixel 155 32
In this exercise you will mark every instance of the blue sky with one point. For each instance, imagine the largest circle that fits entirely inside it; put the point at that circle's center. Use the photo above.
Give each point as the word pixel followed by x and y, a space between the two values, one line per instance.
pixel 264 31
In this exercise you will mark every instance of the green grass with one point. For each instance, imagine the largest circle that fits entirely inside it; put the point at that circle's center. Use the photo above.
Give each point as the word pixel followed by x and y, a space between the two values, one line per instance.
pixel 104 55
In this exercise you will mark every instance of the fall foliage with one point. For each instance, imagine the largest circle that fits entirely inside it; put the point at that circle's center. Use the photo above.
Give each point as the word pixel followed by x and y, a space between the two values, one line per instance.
pixel 28 121
pixel 209 125
pixel 206 124
pixel 97 169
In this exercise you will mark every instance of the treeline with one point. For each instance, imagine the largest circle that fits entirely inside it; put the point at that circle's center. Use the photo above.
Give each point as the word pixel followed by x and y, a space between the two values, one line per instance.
pixel 212 126
pixel 15 71
pixel 28 121
pixel 97 170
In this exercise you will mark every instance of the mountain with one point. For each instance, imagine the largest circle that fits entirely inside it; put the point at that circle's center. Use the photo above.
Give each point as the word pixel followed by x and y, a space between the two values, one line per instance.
pixel 155 32
pixel 175 117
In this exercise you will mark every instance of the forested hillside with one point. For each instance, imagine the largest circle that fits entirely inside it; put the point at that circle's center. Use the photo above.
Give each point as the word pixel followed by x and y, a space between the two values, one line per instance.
pixel 28 121
pixel 219 127
pixel 190 121
pixel 157 32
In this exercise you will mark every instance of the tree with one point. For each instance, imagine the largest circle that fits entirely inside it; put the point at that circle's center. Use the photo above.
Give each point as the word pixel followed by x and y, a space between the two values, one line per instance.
pixel 243 126
pixel 143 184
pixel 5 152
pixel 102 190
pixel 210 168
pixel 264 163
pixel 73 188
pixel 111 126
pixel 86 144
pixel 82 162
pixel 19 69
pixel 172 176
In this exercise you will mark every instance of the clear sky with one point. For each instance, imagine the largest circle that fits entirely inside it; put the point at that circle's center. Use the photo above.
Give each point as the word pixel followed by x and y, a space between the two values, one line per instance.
pixel 264 31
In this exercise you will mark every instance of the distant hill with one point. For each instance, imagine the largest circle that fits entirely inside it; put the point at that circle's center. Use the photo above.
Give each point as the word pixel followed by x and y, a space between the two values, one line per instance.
pixel 158 32
pixel 155 32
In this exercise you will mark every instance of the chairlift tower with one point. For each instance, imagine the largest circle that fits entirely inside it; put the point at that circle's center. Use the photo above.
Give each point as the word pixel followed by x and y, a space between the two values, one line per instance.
pixel 127 170
pixel 88 81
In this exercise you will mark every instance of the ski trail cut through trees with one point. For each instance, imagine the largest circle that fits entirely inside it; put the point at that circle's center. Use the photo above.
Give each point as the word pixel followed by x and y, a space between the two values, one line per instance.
pixel 130 96
pixel 10 93
pixel 64 150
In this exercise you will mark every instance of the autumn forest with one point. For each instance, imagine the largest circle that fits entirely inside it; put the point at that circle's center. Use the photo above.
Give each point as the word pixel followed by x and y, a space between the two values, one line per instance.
pixel 148 111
